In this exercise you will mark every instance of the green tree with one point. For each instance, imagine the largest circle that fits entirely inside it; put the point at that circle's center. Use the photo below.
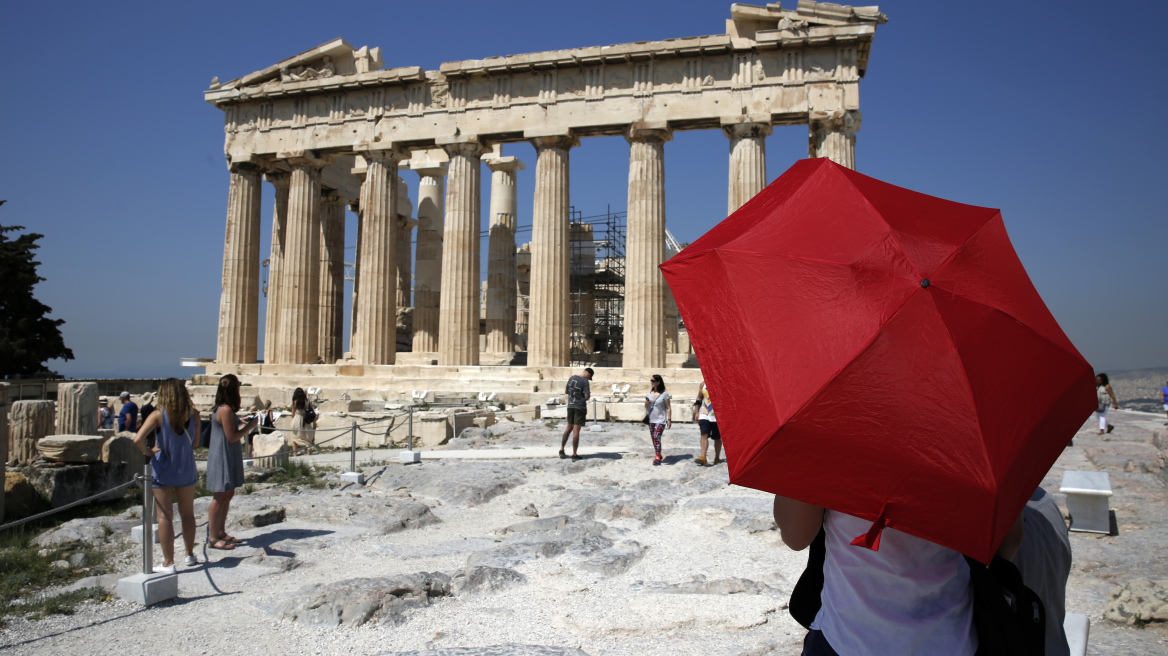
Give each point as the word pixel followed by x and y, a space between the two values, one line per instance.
pixel 28 338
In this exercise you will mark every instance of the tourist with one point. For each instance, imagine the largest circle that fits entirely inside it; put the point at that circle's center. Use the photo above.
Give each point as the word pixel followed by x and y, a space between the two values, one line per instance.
pixel 912 597
pixel 105 416
pixel 657 405
pixel 225 460
pixel 267 419
pixel 1044 560
pixel 707 425
pixel 128 415
pixel 1103 394
pixel 303 421
pixel 578 392
pixel 147 405
pixel 1164 396
pixel 172 463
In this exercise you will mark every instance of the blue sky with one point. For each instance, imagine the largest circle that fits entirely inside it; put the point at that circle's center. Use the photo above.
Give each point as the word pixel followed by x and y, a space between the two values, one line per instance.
pixel 1046 110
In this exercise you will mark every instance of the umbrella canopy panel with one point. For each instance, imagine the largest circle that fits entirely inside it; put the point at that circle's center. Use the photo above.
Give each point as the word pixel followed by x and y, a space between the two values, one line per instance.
pixel 882 353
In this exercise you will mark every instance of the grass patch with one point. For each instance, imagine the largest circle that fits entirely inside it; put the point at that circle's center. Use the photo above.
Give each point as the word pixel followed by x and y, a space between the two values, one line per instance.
pixel 297 474
pixel 24 571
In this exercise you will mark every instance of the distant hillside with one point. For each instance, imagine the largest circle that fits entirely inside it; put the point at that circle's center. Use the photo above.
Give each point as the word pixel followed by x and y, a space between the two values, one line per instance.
pixel 1139 389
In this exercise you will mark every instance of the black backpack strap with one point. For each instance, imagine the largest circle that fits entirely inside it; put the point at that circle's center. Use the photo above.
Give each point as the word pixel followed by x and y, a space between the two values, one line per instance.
pixel 1009 617
pixel 805 598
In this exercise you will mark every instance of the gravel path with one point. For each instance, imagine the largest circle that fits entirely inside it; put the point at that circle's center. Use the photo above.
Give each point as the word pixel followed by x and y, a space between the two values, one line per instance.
pixel 653 579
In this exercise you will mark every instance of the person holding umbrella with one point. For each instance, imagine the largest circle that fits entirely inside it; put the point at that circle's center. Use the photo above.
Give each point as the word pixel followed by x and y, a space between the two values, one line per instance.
pixel 1103 393
pixel 658 408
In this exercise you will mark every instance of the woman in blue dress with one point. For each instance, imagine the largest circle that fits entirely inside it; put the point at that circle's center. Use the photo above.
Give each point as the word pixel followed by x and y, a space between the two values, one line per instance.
pixel 172 465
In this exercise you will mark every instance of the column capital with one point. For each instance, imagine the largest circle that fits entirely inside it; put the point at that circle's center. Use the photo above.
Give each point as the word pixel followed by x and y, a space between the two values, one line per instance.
pixel 279 179
pixel 740 127
pixel 244 167
pixel 509 164
pixel 467 145
pixel 554 138
pixel 434 170
pixel 308 158
pixel 331 196
pixel 652 131
pixel 382 151
pixel 837 121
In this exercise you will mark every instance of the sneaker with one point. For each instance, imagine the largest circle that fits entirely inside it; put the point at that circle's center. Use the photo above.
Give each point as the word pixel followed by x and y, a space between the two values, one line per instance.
pixel 656 461
pixel 563 455
pixel 1110 428
pixel 717 461
pixel 191 561
pixel 164 570
pixel 576 457
pixel 701 461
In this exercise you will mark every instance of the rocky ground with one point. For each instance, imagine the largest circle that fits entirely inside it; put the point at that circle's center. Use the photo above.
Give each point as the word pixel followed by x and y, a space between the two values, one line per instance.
pixel 608 555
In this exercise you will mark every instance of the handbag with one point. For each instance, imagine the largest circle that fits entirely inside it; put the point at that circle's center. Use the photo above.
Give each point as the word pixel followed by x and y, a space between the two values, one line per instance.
pixel 646 419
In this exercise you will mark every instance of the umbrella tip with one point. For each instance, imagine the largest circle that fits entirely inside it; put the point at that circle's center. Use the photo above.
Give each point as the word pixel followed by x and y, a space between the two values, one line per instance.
pixel 925 283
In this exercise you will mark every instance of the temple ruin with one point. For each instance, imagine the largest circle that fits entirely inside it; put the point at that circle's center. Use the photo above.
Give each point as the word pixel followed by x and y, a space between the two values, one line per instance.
pixel 332 127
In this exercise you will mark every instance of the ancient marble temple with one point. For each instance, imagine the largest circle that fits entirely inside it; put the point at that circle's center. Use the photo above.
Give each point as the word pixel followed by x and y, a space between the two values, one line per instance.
pixel 333 126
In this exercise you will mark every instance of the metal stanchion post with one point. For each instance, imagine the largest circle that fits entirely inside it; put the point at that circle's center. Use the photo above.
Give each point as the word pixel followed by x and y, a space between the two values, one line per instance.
pixel 411 457
pixel 411 435
pixel 147 522
pixel 353 476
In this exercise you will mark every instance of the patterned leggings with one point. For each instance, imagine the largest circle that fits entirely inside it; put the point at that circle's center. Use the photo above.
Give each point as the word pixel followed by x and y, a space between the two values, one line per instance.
pixel 655 431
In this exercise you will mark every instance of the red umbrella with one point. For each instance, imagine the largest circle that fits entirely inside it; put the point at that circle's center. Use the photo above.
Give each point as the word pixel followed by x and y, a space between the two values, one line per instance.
pixel 881 353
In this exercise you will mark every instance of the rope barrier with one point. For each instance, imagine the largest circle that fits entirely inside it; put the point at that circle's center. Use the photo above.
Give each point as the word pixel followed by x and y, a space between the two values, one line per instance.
pixel 67 506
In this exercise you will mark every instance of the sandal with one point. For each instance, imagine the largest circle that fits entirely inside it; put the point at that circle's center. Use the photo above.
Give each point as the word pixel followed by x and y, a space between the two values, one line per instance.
pixel 229 539
pixel 227 546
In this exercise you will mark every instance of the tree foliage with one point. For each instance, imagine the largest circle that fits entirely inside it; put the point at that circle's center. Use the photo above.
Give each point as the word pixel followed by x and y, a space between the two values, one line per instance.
pixel 28 337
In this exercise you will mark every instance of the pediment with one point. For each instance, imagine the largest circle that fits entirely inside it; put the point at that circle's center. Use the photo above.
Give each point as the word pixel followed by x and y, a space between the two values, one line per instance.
pixel 334 58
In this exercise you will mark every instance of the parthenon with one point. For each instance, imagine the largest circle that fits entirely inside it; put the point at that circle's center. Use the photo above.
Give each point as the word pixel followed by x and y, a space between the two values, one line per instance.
pixel 332 127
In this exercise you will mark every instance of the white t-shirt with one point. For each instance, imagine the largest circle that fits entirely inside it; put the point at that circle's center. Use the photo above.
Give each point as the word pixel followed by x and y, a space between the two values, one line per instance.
pixel 706 407
pixel 657 414
pixel 912 597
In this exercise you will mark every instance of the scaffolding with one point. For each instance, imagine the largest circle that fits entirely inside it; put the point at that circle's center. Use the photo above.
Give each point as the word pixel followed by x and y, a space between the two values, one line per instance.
pixel 597 286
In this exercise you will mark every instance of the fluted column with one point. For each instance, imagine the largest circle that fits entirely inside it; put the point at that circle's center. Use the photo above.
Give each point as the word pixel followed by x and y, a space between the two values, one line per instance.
pixel 747 161
pixel 77 408
pixel 239 318
pixel 28 422
pixel 332 277
pixel 405 243
pixel 428 269
pixel 501 255
pixel 834 137
pixel 458 320
pixel 548 332
pixel 300 296
pixel 377 317
pixel 280 181
pixel 644 323
pixel 356 208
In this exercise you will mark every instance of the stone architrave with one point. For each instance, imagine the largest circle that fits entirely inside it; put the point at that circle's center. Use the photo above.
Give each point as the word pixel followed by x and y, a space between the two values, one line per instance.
pixel 332 277
pixel 834 137
pixel 644 322
pixel 458 320
pixel 280 181
pixel 549 323
pixel 77 409
pixel 428 267
pixel 300 296
pixel 377 316
pixel 747 161
pixel 501 255
pixel 29 421
pixel 239 303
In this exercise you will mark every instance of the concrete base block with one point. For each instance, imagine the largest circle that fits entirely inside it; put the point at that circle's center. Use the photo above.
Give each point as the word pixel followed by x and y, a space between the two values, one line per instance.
pixel 596 428
pixel 353 477
pixel 411 457
pixel 136 534
pixel 148 589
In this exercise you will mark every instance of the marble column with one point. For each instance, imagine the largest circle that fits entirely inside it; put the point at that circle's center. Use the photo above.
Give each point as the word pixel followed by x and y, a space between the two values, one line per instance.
pixel 501 255
pixel 747 162
pixel 239 318
pixel 549 323
pixel 405 246
pixel 377 316
pixel 428 269
pixel 280 181
pixel 29 421
pixel 644 322
pixel 77 409
pixel 458 320
pixel 356 209
pixel 332 277
pixel 300 294
pixel 834 137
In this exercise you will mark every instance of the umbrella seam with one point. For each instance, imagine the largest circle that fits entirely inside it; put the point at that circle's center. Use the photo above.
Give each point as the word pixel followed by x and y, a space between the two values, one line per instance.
pixel 814 260
pixel 867 343
pixel 1016 319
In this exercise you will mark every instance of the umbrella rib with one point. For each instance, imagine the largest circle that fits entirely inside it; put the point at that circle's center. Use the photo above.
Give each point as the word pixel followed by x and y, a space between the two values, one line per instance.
pixel 816 260
pixel 1003 312
pixel 891 230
